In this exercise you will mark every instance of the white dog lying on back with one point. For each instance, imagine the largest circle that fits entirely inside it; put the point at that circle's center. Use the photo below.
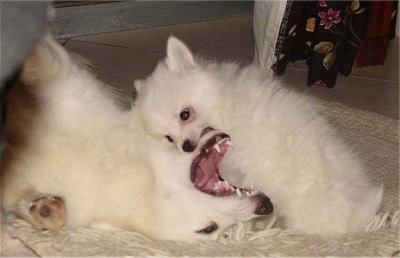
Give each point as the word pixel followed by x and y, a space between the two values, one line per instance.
pixel 69 142
pixel 282 145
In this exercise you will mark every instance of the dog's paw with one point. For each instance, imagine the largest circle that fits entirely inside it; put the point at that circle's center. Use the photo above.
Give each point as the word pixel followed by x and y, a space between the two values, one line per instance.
pixel 47 212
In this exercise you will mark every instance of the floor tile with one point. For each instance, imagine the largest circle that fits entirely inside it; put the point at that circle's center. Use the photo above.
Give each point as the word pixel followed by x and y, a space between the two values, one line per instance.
pixel 118 66
pixel 373 95
pixel 129 15
pixel 221 39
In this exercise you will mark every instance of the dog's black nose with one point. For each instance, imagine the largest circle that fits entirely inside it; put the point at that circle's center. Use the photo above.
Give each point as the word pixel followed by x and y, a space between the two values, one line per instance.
pixel 187 146
pixel 264 205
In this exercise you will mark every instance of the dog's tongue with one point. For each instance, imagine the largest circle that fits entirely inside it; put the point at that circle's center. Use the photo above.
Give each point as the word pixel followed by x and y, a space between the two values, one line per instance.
pixel 204 181
pixel 207 168
pixel 204 173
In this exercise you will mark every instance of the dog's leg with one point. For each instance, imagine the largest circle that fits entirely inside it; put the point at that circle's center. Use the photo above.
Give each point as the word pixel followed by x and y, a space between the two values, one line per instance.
pixel 43 211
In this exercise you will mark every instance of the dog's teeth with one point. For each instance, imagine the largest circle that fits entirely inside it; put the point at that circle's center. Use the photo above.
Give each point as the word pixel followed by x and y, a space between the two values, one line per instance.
pixel 247 193
pixel 216 147
pixel 238 192
pixel 251 185
pixel 229 143
pixel 222 141
pixel 217 184
pixel 226 184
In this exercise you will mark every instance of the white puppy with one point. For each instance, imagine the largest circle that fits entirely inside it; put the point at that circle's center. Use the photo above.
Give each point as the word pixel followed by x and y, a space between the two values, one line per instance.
pixel 282 145
pixel 74 157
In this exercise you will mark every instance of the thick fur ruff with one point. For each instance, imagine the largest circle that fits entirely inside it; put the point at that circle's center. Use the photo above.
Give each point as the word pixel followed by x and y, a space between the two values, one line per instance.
pixel 282 144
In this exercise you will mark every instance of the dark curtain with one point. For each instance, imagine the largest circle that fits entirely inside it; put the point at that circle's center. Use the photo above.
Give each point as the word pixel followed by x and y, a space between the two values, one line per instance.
pixel 332 36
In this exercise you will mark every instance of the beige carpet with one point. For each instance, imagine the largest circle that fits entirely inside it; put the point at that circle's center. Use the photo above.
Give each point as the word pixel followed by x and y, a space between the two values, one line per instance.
pixel 374 137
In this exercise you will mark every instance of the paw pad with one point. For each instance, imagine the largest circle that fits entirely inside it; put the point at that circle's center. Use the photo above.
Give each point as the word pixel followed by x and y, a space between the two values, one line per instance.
pixel 48 212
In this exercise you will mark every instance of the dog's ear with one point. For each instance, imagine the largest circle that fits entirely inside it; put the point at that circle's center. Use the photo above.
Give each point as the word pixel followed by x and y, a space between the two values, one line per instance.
pixel 179 57
pixel 137 84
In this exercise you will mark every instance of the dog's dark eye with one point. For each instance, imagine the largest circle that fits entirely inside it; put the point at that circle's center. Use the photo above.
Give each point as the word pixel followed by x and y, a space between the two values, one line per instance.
pixel 208 230
pixel 185 114
pixel 169 138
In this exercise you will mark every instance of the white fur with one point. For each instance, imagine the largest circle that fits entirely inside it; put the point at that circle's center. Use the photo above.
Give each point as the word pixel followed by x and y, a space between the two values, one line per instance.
pixel 282 145
pixel 67 137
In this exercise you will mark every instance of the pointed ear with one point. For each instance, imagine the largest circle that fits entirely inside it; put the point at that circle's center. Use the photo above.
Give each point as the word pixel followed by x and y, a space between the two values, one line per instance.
pixel 137 84
pixel 179 57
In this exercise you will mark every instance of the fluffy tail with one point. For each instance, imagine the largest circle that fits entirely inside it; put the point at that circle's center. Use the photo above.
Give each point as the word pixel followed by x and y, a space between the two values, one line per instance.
pixel 372 203
pixel 47 62
pixel 375 198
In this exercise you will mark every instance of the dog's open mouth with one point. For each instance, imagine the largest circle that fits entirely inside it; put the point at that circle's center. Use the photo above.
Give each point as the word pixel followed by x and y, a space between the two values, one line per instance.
pixel 204 171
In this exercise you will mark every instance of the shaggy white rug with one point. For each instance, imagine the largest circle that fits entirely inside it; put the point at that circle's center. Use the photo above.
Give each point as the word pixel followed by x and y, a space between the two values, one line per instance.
pixel 374 137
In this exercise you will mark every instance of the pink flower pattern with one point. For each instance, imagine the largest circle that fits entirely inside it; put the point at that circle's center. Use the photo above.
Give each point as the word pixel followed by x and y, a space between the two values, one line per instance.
pixel 322 3
pixel 322 44
pixel 329 18
pixel 320 83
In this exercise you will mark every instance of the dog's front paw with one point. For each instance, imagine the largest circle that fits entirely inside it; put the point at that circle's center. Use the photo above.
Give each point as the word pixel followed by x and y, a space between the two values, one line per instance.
pixel 47 212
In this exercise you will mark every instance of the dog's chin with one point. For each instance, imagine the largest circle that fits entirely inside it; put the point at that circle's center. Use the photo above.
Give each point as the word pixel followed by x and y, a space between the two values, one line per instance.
pixel 204 172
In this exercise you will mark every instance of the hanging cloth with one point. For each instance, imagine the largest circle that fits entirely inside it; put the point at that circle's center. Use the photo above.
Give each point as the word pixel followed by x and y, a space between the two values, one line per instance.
pixel 325 34
pixel 380 30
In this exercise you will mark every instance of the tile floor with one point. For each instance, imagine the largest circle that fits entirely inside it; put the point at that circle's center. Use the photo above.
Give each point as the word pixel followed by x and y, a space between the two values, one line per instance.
pixel 120 57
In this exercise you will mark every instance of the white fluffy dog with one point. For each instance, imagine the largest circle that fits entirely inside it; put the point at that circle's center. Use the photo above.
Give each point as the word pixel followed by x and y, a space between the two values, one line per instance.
pixel 74 157
pixel 282 145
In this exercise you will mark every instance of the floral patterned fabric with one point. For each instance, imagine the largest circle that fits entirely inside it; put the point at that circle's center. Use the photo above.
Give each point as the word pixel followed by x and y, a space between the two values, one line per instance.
pixel 328 36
